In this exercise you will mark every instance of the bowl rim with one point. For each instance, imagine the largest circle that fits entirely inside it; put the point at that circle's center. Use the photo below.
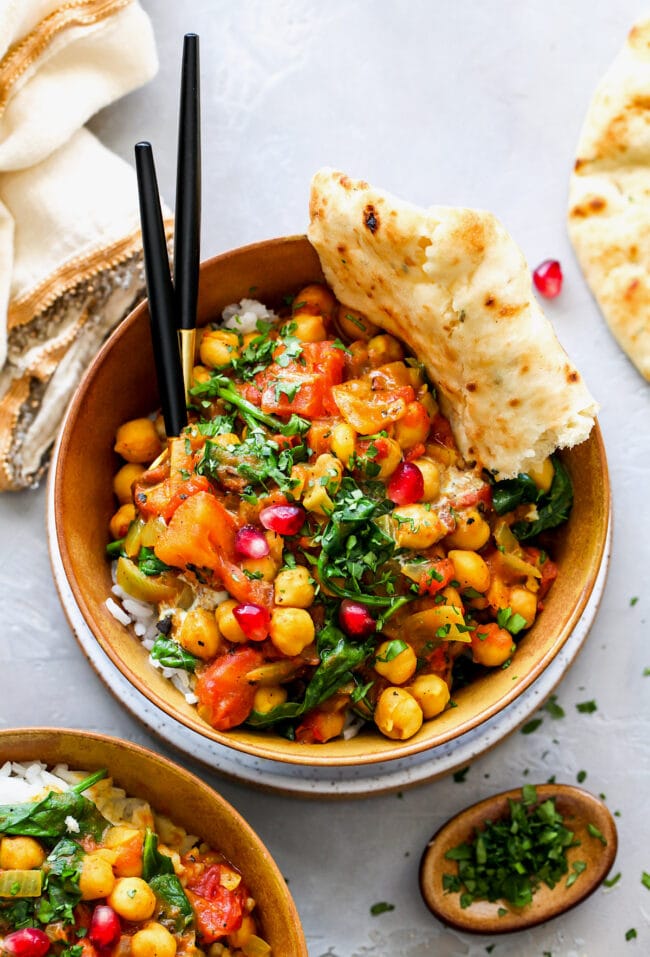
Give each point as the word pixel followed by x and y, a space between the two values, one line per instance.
pixel 401 749
pixel 137 752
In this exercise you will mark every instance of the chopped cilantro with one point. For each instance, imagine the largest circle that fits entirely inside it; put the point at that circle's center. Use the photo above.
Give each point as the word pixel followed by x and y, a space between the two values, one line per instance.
pixel 598 834
pixel 553 708
pixel 645 880
pixel 630 934
pixel 610 881
pixel 581 776
pixel 633 601
pixel 587 707
pixel 381 908
pixel 510 858
pixel 532 725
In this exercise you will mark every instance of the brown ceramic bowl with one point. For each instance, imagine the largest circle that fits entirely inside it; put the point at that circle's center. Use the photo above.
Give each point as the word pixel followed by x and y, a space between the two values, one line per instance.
pixel 121 385
pixel 187 801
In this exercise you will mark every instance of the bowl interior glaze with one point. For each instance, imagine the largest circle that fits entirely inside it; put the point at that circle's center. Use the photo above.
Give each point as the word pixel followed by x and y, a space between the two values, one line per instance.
pixel 120 385
pixel 186 800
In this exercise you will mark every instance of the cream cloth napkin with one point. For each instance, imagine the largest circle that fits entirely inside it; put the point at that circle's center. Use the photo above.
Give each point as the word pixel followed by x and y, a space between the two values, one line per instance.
pixel 70 251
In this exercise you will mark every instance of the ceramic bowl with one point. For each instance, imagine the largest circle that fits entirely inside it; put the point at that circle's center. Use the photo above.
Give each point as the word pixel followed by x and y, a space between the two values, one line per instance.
pixel 121 385
pixel 186 800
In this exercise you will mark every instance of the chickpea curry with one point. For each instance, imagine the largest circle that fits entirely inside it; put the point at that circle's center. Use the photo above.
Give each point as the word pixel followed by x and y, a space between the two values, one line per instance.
pixel 318 552
pixel 72 884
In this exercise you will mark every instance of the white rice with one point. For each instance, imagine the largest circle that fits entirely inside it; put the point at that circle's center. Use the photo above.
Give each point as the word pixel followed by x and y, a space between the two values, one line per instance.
pixel 143 617
pixel 242 316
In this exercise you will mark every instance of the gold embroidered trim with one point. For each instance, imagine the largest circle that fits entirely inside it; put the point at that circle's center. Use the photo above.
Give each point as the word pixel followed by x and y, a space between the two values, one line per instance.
pixel 71 273
pixel 10 407
pixel 75 13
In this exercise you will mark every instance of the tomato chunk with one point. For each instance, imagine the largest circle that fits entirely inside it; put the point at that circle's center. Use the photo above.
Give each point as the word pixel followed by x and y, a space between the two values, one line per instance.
pixel 303 386
pixel 201 533
pixel 219 910
pixel 224 692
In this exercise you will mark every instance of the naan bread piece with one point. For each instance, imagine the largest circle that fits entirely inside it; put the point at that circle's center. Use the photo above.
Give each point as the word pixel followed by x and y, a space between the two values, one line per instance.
pixel 453 285
pixel 609 197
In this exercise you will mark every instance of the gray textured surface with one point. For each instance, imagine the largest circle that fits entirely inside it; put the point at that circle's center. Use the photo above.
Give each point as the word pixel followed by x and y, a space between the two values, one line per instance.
pixel 438 102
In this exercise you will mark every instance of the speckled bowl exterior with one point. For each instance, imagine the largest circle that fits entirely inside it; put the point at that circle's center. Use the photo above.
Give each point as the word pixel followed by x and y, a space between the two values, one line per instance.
pixel 187 801
pixel 121 384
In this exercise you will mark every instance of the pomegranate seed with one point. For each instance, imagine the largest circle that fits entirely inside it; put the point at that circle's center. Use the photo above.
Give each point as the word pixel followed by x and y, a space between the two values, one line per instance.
pixel 105 928
pixel 283 519
pixel 252 543
pixel 28 942
pixel 253 620
pixel 355 619
pixel 406 484
pixel 548 278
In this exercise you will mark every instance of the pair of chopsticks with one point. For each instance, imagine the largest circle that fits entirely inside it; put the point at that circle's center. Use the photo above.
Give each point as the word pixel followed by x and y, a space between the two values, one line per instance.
pixel 172 306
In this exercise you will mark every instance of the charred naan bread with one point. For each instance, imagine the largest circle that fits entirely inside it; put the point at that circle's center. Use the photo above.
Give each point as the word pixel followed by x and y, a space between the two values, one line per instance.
pixel 453 285
pixel 609 198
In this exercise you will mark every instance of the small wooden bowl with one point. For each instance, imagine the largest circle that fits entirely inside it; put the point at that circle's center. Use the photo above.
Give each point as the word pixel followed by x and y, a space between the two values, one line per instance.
pixel 187 801
pixel 121 384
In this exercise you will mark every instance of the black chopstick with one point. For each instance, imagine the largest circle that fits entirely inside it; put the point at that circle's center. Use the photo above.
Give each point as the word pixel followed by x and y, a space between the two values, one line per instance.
pixel 187 232
pixel 161 294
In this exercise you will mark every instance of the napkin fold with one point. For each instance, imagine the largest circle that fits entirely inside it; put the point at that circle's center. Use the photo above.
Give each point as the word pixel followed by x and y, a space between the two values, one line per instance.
pixel 70 247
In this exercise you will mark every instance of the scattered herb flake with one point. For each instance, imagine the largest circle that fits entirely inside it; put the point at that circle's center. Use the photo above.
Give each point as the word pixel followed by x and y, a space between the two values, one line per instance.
pixel 595 832
pixel 633 601
pixel 553 708
pixel 459 776
pixel 630 934
pixel 381 908
pixel 587 707
pixel 581 776
pixel 645 880
pixel 610 881
pixel 531 726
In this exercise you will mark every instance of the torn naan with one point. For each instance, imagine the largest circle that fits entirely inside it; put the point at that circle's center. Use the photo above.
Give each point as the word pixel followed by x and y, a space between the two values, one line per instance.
pixel 452 285
pixel 609 197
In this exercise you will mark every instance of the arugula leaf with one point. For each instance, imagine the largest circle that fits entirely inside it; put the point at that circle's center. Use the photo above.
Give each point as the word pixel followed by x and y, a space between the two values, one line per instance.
pixel 46 818
pixel 172 655
pixel 339 658
pixel 149 563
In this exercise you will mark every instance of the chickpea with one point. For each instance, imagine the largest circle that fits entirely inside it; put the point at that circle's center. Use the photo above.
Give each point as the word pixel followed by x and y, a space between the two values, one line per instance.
pixel 431 693
pixel 413 427
pixel 21 854
pixel 429 403
pixel 470 570
pixel 391 456
pixel 199 634
pixel 472 532
pixel 265 567
pixel 325 479
pixel 268 698
pixel 123 481
pixel 542 475
pixel 219 347
pixel 154 940
pixel 137 441
pixel 417 527
pixel 491 645
pixel 292 629
pixel 132 899
pixel 96 879
pixel 308 328
pixel 399 668
pixel 524 603
pixel 397 714
pixel 240 937
pixel 119 524
pixel 200 374
pixel 294 587
pixel 227 623
pixel 452 597
pixel 126 845
pixel 447 617
pixel 314 300
pixel 383 349
pixel 343 442
pixel 353 324
pixel 431 476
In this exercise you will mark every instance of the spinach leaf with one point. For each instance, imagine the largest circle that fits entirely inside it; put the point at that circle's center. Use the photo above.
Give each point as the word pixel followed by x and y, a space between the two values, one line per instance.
pixel 62 893
pixel 175 906
pixel 509 493
pixel 339 657
pixel 153 862
pixel 172 655
pixel 553 507
pixel 158 871
pixel 149 563
pixel 47 818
